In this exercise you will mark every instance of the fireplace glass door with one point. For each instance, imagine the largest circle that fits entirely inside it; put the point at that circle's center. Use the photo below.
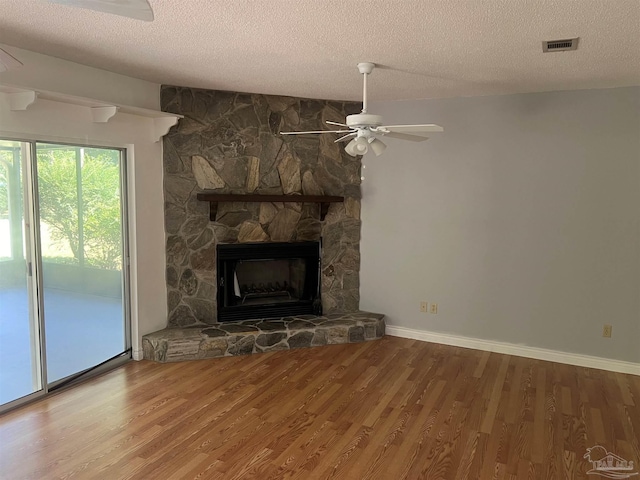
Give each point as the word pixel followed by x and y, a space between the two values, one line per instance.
pixel 265 280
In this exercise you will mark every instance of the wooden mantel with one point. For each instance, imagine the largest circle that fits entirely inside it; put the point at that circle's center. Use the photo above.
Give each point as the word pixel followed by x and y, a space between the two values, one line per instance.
pixel 215 198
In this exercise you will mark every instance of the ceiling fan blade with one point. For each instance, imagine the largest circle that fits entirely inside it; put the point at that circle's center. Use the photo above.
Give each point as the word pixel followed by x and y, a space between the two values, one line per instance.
pixel 336 123
pixel 406 136
pixel 315 131
pixel 138 9
pixel 428 128
pixel 8 62
pixel 346 137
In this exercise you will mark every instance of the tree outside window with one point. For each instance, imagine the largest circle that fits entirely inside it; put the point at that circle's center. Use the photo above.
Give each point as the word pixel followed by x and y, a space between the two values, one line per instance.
pixel 79 191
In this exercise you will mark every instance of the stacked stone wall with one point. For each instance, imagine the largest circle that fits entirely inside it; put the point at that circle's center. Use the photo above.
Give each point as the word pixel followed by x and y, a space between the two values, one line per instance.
pixel 230 143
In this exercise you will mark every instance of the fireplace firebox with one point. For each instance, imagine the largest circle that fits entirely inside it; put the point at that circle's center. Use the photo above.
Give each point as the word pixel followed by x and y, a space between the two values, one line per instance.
pixel 266 280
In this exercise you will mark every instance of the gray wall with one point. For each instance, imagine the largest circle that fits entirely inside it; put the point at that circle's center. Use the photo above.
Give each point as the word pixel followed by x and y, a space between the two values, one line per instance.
pixel 522 220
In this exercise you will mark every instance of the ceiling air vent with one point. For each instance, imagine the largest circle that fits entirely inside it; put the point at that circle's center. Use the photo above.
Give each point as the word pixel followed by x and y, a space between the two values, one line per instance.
pixel 560 45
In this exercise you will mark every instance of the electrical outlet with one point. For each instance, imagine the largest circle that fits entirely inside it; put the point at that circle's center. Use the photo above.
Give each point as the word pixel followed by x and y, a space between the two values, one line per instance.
pixel 606 331
pixel 423 307
pixel 434 308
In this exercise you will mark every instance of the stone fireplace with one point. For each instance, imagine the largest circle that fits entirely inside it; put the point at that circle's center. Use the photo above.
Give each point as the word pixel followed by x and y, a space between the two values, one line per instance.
pixel 234 186
pixel 229 143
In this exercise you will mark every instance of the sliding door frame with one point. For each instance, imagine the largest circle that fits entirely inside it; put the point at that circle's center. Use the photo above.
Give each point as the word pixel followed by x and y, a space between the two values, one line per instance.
pixel 34 265
pixel 35 271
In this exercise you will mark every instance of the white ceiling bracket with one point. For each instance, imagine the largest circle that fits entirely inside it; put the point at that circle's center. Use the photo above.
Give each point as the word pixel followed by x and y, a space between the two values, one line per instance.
pixel 21 100
pixel 366 67
pixel 161 126
pixel 103 114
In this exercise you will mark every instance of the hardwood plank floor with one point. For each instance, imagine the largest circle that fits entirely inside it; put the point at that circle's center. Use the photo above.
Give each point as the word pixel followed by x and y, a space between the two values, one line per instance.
pixel 387 409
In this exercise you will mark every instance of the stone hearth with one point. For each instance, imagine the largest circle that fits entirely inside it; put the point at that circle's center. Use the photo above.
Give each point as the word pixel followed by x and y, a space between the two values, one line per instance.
pixel 263 335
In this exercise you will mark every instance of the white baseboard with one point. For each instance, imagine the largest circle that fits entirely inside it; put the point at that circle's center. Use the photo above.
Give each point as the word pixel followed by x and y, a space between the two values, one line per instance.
pixel 517 350
pixel 136 354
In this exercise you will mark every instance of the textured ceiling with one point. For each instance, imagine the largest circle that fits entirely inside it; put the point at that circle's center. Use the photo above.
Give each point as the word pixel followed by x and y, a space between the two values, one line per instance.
pixel 305 48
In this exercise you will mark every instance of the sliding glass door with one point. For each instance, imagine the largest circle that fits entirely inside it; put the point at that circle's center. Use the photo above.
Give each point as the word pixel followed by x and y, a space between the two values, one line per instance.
pixel 80 224
pixel 64 306
pixel 20 352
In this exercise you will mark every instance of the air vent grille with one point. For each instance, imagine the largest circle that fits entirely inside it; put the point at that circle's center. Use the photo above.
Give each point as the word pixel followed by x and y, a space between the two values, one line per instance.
pixel 560 45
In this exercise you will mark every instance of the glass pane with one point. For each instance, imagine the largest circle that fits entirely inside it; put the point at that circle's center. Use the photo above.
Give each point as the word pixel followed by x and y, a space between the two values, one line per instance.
pixel 19 335
pixel 81 241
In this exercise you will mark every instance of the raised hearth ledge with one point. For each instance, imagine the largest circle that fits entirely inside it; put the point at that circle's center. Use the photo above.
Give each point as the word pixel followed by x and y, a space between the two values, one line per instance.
pixel 175 344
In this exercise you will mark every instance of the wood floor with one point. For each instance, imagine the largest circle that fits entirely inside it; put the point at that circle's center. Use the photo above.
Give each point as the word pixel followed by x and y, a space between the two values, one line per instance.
pixel 387 409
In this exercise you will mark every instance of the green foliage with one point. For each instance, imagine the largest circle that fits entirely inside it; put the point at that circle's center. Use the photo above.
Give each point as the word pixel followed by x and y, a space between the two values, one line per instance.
pixel 4 181
pixel 59 196
pixel 92 204
pixel 101 213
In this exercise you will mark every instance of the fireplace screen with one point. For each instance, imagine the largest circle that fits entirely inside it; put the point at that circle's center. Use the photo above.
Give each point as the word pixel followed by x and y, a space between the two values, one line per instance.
pixel 262 280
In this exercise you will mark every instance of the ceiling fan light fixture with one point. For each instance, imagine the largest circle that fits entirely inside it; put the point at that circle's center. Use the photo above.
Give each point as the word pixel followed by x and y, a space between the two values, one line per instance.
pixel 377 146
pixel 357 146
pixel 362 145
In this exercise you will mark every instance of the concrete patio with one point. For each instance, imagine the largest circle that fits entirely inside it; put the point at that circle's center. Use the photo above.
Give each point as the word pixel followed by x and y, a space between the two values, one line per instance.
pixel 81 331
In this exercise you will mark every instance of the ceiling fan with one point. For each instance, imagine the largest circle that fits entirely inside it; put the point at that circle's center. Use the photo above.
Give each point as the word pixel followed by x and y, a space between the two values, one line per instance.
pixel 8 61
pixel 138 9
pixel 363 129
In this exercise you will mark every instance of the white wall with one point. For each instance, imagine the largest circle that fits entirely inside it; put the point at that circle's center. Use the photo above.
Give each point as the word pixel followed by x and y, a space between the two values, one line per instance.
pixel 41 72
pixel 522 220
pixel 54 121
